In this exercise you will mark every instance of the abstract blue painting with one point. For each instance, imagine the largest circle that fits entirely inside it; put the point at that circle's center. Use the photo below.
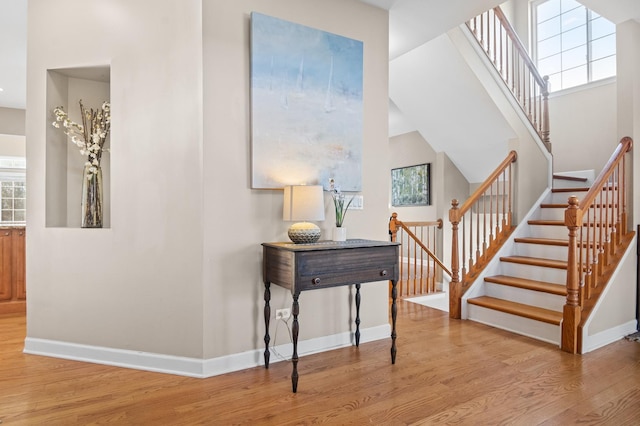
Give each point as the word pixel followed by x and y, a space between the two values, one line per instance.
pixel 306 106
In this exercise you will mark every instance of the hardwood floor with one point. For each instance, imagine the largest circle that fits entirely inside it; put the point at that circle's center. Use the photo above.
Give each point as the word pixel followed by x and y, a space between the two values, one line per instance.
pixel 447 372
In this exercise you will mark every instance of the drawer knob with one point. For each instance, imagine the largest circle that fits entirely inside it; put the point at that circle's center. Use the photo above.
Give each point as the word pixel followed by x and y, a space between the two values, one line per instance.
pixel 315 281
pixel 384 273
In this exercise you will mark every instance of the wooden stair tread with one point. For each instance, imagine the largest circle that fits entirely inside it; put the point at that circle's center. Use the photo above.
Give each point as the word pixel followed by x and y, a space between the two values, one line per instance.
pixel 550 242
pixel 520 309
pixel 546 222
pixel 571 178
pixel 549 222
pixel 542 241
pixel 536 261
pixel 528 284
pixel 570 189
pixel 565 205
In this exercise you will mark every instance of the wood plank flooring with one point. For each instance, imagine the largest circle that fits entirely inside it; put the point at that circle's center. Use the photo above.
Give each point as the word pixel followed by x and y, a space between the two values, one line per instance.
pixel 447 372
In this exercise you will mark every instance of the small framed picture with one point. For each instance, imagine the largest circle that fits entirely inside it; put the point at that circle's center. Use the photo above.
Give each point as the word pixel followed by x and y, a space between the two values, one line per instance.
pixel 411 186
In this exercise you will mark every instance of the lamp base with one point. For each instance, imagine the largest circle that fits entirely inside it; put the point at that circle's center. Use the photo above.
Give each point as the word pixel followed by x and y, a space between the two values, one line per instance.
pixel 304 233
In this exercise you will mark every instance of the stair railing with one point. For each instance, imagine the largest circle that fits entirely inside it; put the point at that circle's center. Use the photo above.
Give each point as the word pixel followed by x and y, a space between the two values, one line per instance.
pixel 598 230
pixel 420 268
pixel 504 49
pixel 485 222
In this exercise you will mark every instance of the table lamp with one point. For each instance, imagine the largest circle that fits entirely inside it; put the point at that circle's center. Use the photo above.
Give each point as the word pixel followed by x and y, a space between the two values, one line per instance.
pixel 303 203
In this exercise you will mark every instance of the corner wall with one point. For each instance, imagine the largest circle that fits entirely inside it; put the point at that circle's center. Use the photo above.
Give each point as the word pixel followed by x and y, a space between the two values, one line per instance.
pixel 178 274
pixel 136 286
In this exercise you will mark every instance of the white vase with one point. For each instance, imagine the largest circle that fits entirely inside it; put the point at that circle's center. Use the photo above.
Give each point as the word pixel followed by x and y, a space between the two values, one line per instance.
pixel 339 234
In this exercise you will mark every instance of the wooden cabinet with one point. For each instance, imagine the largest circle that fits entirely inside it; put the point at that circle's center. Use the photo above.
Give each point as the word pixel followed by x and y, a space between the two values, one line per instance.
pixel 301 267
pixel 13 291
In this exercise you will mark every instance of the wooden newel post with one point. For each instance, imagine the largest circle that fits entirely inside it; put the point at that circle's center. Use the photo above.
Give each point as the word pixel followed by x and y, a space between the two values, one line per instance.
pixel 393 226
pixel 455 287
pixel 545 114
pixel 572 311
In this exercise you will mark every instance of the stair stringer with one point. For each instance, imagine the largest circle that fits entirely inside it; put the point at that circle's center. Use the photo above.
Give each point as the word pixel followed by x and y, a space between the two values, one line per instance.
pixel 614 316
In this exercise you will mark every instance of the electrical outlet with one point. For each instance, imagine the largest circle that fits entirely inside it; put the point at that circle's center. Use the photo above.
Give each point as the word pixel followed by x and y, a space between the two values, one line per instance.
pixel 283 313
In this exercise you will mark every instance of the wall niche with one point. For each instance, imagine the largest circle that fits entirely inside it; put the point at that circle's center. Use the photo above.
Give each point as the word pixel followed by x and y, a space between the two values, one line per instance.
pixel 64 163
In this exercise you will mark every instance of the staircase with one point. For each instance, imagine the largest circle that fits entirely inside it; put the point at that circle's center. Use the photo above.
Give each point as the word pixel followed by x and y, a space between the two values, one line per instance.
pixel 527 289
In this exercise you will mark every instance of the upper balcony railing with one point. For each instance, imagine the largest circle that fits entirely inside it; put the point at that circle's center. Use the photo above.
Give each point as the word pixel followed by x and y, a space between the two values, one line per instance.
pixel 507 53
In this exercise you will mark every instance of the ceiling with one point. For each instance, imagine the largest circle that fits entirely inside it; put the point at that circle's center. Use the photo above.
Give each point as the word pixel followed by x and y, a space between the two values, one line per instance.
pixel 411 24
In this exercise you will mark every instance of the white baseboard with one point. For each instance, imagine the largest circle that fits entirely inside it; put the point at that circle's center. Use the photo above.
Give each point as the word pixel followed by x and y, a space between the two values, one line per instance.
pixel 603 338
pixel 194 367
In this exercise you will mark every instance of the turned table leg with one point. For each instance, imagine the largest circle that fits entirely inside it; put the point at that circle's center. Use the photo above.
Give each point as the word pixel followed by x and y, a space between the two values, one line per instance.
pixel 294 331
pixel 357 314
pixel 267 316
pixel 394 314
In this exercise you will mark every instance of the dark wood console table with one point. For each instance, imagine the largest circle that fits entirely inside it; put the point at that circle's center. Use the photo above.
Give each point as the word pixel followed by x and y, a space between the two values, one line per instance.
pixel 301 267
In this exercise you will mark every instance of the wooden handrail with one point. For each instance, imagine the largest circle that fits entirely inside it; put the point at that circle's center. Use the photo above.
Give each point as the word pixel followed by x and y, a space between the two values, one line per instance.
pixel 511 158
pixel 417 274
pixel 517 43
pixel 490 232
pixel 598 236
pixel 511 60
pixel 623 147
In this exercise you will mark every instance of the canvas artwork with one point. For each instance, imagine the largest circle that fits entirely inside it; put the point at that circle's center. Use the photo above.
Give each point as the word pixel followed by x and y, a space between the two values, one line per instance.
pixel 410 186
pixel 306 106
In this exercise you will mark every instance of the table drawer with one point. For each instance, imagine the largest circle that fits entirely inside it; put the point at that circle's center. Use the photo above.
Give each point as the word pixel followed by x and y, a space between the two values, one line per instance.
pixel 328 269
pixel 311 282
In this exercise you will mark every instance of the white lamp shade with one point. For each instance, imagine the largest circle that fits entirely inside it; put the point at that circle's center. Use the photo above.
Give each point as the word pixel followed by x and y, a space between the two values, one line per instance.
pixel 302 203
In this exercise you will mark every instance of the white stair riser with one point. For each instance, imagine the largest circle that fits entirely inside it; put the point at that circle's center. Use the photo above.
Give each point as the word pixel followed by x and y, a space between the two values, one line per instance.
pixel 540 299
pixel 561 183
pixel 549 231
pixel 563 197
pixel 541 250
pixel 552 214
pixel 525 326
pixel 550 275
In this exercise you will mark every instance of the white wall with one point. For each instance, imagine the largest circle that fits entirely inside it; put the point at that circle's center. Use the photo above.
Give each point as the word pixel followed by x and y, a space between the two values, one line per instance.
pixel 12 145
pixel 237 219
pixel 583 127
pixel 179 271
pixel 628 124
pixel 12 121
pixel 138 284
